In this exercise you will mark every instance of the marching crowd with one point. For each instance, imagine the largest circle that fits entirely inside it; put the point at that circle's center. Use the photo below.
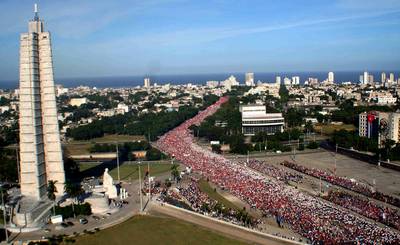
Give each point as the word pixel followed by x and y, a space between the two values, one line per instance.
pixel 311 217
pixel 345 183
pixel 272 171
pixel 363 206
pixel 202 203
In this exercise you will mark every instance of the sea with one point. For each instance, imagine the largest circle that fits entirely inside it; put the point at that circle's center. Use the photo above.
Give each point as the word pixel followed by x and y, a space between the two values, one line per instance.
pixel 133 81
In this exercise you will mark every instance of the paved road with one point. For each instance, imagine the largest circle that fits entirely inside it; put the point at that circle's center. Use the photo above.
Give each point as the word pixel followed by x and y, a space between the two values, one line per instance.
pixel 126 212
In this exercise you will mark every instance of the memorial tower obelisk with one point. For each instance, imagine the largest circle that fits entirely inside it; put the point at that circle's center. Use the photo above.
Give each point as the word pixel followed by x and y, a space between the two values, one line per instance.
pixel 40 146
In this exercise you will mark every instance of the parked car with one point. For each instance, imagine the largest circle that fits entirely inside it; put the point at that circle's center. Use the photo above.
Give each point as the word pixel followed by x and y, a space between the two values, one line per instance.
pixel 83 221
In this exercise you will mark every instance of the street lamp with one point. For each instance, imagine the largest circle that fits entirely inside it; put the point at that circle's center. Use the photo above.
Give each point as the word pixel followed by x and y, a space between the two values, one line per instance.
pixel 119 179
pixel 335 159
pixel 4 214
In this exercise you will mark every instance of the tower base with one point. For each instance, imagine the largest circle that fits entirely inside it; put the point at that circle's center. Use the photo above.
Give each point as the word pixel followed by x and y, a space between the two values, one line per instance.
pixel 31 214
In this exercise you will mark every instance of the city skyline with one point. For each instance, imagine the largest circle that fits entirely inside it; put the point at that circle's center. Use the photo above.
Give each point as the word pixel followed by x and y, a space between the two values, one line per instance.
pixel 109 39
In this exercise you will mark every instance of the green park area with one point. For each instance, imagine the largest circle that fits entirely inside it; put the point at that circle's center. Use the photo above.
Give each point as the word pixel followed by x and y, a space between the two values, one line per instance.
pixel 131 171
pixel 77 147
pixel 155 230
pixel 213 194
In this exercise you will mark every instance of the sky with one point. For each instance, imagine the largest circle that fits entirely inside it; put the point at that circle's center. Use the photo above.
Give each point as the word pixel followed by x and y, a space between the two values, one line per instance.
pixel 94 38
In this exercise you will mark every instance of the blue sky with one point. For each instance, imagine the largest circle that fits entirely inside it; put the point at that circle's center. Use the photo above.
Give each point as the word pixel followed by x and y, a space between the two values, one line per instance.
pixel 107 38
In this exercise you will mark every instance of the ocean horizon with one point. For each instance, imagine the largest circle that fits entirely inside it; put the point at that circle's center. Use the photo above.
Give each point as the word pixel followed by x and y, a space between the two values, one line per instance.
pixel 133 81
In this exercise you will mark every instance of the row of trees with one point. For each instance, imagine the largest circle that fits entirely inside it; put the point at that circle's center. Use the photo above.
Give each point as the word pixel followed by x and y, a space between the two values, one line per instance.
pixel 126 149
pixel 151 125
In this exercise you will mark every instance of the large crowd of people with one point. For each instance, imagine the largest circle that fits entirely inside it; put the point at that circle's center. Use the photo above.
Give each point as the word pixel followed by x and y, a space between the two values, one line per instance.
pixel 365 207
pixel 317 220
pixel 272 171
pixel 200 202
pixel 350 184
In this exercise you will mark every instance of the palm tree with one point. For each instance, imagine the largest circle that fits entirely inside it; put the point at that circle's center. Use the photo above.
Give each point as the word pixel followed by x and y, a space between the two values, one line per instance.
pixel 74 191
pixel 51 190
pixel 175 171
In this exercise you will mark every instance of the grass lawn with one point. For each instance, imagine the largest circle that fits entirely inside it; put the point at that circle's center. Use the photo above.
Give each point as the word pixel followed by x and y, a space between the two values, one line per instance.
pixel 155 230
pixel 131 171
pixel 330 128
pixel 206 188
pixel 77 147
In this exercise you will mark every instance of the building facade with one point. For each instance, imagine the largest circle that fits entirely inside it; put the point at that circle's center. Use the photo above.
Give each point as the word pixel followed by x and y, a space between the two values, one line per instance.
pixel 255 119
pixel 331 77
pixel 249 79
pixel 394 129
pixel 146 82
pixel 40 147
pixel 380 125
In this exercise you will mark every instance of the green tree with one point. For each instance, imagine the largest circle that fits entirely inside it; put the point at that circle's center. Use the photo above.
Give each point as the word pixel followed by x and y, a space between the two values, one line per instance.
pixel 73 191
pixel 175 172
pixel 216 149
pixel 153 154
pixel 309 127
pixel 51 192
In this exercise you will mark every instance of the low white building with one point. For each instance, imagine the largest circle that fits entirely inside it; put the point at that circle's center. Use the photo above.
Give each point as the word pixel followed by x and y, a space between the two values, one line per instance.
pixel 78 101
pixel 255 119
pixel 123 108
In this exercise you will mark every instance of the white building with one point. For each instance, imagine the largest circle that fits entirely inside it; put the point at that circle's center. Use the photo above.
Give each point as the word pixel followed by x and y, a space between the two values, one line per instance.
pixel 365 78
pixel 394 129
pixel 40 147
pixel 212 84
pixel 78 101
pixel 230 82
pixel 122 107
pixel 331 77
pixel 287 81
pixel 278 80
pixel 255 119
pixel 383 78
pixel 4 108
pixel 295 80
pixel 146 82
pixel 380 125
pixel 249 79
pixel 391 77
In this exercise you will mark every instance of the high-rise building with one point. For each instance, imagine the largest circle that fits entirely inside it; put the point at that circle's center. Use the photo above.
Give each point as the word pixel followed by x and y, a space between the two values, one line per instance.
pixel 370 79
pixel 295 80
pixel 394 126
pixel 361 79
pixel 249 79
pixel 287 81
pixel 40 147
pixel 147 82
pixel 391 77
pixel 366 78
pixel 380 125
pixel 278 80
pixel 331 77
pixel 383 77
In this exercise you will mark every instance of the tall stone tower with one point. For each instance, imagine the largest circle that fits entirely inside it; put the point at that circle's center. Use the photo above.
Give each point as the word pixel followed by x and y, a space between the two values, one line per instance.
pixel 40 147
